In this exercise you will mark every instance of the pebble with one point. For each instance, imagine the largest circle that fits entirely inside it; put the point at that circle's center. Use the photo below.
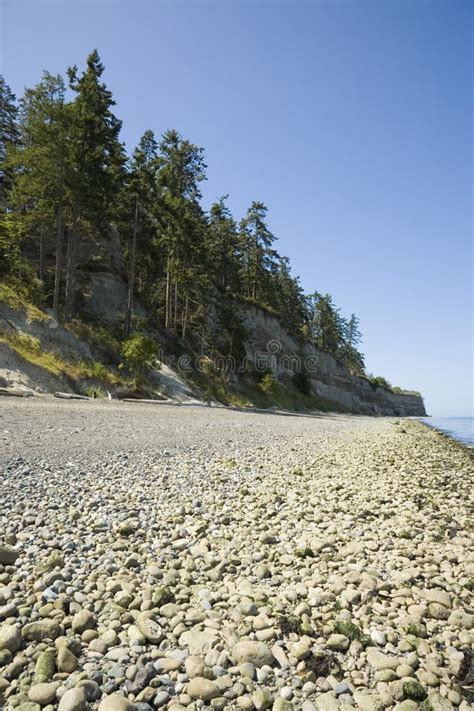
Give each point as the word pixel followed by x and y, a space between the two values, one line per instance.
pixel 116 702
pixel 318 572
pixel 74 700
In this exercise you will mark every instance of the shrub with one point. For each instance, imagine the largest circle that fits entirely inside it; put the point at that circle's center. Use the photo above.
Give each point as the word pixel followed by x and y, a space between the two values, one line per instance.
pixel 137 351
pixel 381 382
pixel 267 384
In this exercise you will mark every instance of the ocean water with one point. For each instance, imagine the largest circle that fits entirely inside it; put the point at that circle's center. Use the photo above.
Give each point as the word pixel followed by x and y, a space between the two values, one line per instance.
pixel 460 428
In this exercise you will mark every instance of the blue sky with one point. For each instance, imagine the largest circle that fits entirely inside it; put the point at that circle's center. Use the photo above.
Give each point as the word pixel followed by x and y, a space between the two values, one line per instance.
pixel 352 121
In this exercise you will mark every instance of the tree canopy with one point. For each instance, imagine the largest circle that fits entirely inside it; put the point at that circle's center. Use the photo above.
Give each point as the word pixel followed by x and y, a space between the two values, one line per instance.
pixel 66 179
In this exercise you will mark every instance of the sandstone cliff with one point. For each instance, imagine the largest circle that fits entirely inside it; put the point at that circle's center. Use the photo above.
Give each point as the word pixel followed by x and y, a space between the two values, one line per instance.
pixel 270 345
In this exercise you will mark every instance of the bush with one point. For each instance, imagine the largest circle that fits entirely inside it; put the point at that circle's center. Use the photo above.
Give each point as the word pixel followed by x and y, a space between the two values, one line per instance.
pixel 267 384
pixel 137 351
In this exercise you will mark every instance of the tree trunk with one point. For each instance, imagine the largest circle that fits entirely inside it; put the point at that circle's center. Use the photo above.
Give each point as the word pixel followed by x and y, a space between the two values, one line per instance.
pixel 185 317
pixel 131 272
pixel 168 292
pixel 175 317
pixel 59 243
pixel 41 260
pixel 71 264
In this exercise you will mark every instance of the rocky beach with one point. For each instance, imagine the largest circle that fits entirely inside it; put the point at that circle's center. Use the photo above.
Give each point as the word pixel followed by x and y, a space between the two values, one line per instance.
pixel 156 556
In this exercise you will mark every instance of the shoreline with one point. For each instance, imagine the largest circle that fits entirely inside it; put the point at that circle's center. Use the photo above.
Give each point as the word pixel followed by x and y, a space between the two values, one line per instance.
pixel 449 437
pixel 238 561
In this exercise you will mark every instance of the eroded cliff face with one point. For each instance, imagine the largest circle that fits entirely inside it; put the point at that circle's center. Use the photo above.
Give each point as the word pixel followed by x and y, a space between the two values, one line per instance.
pixel 269 345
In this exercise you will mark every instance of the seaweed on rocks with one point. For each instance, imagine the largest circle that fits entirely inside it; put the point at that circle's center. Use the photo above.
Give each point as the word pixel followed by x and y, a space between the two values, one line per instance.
pixel 466 675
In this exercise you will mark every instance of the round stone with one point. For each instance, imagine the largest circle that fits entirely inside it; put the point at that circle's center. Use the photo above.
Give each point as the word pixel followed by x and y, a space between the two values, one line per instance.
pixel 10 638
pixel 257 653
pixel 43 694
pixel 201 688
pixel 116 702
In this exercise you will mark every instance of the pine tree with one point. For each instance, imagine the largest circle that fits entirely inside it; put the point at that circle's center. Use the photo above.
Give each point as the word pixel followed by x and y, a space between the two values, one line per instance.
pixel 182 169
pixel 38 163
pixel 287 297
pixel 350 355
pixel 141 192
pixel 326 323
pixel 256 246
pixel 223 247
pixel 9 135
pixel 97 159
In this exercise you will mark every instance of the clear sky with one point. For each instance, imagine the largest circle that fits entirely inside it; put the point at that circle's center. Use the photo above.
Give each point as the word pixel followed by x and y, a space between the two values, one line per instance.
pixel 351 120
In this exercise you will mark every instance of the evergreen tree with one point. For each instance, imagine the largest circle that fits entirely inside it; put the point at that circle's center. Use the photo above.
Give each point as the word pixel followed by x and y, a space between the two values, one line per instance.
pixel 97 159
pixel 184 226
pixel 326 323
pixel 38 163
pixel 223 247
pixel 9 135
pixel 141 195
pixel 348 351
pixel 287 298
pixel 256 246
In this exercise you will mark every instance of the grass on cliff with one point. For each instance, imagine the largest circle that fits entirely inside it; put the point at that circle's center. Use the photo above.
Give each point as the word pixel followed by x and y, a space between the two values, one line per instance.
pixel 31 350
pixel 18 298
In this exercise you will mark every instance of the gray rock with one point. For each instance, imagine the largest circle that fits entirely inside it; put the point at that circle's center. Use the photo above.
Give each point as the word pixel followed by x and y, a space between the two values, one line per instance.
pixel 82 621
pixel 262 699
pixel 116 702
pixel 151 630
pixel 201 688
pixel 198 642
pixel 10 638
pixel 338 642
pixel 74 700
pixel 66 660
pixel 43 629
pixel 8 555
pixel 257 653
pixel 43 694
pixel 380 661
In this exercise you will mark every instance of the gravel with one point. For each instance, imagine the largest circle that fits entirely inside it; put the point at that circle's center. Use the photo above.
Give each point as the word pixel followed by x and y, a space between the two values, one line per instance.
pixel 156 556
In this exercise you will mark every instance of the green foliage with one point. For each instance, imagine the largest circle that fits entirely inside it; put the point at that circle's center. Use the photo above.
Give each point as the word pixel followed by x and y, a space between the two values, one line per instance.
pixel 8 134
pixel 94 392
pixel 331 332
pixel 31 349
pixel 378 381
pixel 326 324
pixel 137 350
pixel 267 384
pixel 401 391
pixel 18 297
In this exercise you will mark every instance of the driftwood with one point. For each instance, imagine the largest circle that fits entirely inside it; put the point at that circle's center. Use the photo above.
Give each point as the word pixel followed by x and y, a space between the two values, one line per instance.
pixel 71 396
pixel 16 392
